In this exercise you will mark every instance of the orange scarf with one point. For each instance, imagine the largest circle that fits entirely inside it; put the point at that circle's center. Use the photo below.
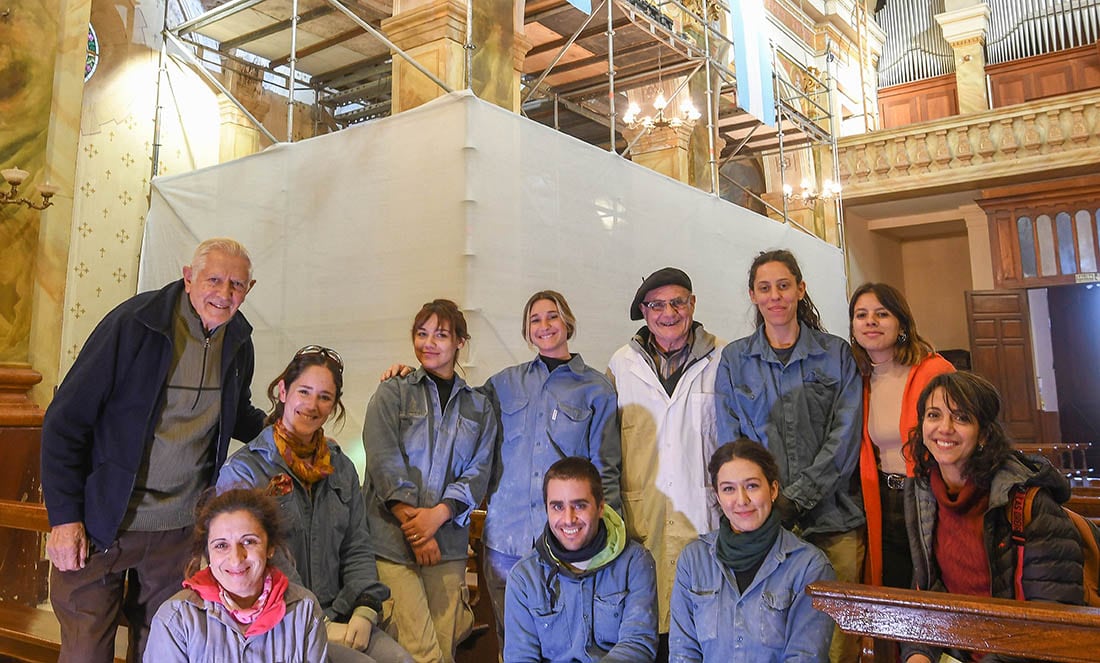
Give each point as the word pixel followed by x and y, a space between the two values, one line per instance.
pixel 310 462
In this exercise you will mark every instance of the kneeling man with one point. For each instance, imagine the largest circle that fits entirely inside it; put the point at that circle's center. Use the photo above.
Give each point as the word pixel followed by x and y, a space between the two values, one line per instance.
pixel 586 592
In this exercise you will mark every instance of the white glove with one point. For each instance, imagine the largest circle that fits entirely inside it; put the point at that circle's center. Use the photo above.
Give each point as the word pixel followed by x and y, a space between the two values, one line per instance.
pixel 359 629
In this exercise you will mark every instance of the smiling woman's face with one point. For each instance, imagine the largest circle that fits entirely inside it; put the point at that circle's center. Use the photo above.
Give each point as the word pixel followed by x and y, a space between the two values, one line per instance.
pixel 744 494
pixel 238 551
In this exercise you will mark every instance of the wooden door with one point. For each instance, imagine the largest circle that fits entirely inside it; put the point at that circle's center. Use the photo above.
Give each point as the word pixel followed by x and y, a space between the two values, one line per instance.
pixel 1000 349
pixel 1074 312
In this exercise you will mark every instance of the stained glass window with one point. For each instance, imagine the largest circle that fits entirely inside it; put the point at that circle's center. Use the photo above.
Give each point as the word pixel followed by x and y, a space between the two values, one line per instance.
pixel 92 59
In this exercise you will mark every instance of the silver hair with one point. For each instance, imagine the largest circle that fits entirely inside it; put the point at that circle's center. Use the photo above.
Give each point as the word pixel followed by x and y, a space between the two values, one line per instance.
pixel 226 245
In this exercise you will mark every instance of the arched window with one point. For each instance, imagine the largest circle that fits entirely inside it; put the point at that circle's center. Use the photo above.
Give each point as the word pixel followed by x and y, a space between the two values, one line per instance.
pixel 1085 241
pixel 1067 252
pixel 92 59
pixel 1027 245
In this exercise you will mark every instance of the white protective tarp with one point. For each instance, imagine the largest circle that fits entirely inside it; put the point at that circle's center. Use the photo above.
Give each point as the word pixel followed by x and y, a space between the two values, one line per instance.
pixel 351 232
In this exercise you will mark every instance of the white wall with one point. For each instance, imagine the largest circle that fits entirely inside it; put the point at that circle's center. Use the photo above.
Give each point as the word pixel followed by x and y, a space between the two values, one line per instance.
pixel 351 232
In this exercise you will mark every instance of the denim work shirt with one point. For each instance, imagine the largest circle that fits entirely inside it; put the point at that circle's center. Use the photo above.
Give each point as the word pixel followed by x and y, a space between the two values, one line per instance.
pixel 807 413
pixel 609 615
pixel 773 620
pixel 545 417
pixel 420 453
pixel 326 527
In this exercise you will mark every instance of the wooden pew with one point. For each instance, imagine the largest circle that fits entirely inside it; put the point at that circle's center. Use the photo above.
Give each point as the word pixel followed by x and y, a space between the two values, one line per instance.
pixel 1088 505
pixel 29 633
pixel 1032 630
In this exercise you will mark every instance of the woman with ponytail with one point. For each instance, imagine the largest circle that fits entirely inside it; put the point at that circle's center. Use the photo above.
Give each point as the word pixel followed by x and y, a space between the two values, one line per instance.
pixel 795 388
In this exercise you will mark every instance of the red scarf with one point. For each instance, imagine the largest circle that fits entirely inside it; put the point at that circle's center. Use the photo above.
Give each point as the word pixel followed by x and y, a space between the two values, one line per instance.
pixel 271 613
pixel 959 543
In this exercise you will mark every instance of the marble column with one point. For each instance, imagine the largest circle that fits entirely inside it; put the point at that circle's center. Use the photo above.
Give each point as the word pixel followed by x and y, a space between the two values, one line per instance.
pixel 48 256
pixel 981 251
pixel 666 150
pixel 965 26
pixel 433 32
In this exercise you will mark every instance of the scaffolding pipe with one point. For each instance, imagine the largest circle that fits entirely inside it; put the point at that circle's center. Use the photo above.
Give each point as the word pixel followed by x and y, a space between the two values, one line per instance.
pixel 214 15
pixel 293 62
pixel 561 53
pixel 712 104
pixel 779 133
pixel 371 30
pixel 468 47
pixel 611 76
pixel 162 71
pixel 750 192
pixel 213 80
pixel 830 64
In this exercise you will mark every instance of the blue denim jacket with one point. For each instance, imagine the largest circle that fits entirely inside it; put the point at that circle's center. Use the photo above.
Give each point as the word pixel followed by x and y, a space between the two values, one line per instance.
pixel 327 531
pixel 420 454
pixel 772 621
pixel 608 616
pixel 808 413
pixel 544 418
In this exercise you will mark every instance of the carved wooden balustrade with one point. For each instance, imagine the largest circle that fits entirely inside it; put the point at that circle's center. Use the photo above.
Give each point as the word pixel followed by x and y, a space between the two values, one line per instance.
pixel 1047 138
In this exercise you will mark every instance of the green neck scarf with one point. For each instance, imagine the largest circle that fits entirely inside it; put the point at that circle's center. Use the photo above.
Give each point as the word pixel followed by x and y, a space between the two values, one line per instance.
pixel 741 551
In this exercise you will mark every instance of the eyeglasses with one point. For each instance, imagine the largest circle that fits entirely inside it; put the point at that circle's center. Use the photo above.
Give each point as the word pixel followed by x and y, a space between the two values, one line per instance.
pixel 324 352
pixel 658 305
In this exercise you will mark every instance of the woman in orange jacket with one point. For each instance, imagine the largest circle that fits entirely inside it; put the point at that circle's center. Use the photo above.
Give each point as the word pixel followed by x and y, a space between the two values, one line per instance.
pixel 896 364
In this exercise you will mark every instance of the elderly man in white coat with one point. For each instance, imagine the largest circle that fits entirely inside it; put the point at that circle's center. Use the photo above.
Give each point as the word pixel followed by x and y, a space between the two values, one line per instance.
pixel 665 380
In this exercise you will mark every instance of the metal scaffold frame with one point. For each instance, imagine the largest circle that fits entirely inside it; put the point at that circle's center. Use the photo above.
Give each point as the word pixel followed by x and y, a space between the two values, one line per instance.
pixel 696 40
pixel 816 127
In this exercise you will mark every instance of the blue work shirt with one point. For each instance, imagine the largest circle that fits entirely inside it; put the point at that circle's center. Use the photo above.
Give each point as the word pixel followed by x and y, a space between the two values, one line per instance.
pixel 773 620
pixel 545 417
pixel 808 413
pixel 420 453
pixel 607 615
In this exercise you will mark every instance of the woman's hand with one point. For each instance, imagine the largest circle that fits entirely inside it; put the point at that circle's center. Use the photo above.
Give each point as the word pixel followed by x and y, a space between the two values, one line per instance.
pixel 427 552
pixel 402 512
pixel 395 370
pixel 359 630
pixel 424 523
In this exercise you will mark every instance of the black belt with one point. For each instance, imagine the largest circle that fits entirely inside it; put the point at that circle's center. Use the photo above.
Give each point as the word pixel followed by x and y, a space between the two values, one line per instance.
pixel 893 481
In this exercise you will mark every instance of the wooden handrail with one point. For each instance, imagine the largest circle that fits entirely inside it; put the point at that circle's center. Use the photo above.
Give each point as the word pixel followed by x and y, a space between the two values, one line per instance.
pixel 1046 631
pixel 29 516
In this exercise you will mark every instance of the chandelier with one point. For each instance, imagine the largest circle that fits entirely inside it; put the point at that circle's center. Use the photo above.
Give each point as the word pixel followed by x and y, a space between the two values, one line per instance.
pixel 661 117
pixel 830 190
pixel 15 178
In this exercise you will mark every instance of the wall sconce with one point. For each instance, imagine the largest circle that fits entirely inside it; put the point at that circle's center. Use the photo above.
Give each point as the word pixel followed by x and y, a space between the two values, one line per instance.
pixel 15 178
pixel 829 191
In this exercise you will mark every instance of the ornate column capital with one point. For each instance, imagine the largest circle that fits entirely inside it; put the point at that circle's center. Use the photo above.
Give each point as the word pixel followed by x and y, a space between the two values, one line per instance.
pixel 965 25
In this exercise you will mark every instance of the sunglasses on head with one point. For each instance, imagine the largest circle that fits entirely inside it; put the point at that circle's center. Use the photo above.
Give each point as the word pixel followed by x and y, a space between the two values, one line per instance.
pixel 324 352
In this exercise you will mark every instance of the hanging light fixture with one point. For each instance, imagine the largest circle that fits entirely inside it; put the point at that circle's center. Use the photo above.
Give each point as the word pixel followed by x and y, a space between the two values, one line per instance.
pixel 830 190
pixel 662 116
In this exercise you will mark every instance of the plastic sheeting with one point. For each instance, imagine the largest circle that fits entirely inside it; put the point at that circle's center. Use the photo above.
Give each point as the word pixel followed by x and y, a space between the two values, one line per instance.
pixel 351 232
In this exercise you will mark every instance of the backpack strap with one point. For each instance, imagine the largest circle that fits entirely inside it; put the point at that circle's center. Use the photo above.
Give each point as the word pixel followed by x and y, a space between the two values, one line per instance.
pixel 1019 519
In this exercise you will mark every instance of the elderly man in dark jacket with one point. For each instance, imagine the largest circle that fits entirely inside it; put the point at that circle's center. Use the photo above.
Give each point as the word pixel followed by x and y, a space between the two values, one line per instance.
pixel 136 431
